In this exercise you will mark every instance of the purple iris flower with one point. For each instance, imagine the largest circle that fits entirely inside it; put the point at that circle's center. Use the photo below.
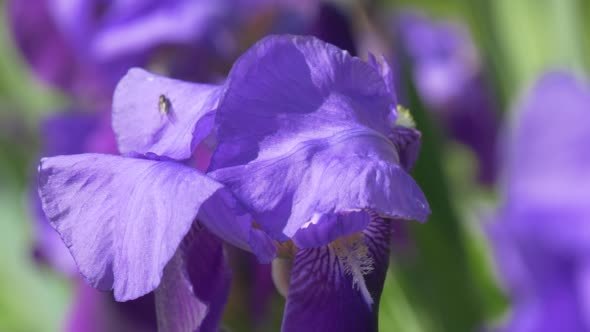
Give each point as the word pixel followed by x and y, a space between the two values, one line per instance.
pixel 96 244
pixel 449 78
pixel 542 236
pixel 310 164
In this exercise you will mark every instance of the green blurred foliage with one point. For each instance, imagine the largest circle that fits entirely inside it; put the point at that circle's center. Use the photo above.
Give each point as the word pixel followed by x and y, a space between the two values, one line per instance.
pixel 539 35
pixel 31 298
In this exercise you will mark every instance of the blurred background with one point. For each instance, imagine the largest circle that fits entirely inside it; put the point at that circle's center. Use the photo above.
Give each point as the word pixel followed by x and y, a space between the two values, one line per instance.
pixel 473 73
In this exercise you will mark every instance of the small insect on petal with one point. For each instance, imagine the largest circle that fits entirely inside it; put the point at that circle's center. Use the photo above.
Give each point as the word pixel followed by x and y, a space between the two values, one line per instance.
pixel 164 104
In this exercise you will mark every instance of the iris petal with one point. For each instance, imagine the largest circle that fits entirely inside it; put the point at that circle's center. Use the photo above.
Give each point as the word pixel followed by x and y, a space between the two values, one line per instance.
pixel 337 174
pixel 319 143
pixel 324 296
pixel 123 218
pixel 195 285
pixel 296 87
pixel 157 115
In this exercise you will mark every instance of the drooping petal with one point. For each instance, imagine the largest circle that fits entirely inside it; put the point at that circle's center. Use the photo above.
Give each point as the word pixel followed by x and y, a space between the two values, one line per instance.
pixel 325 293
pixel 319 143
pixel 123 218
pixel 286 193
pixel 195 286
pixel 157 115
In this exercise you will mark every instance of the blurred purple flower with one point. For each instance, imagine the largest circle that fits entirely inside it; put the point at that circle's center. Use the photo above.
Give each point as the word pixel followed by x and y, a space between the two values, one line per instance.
pixel 307 152
pixel 542 237
pixel 450 80
pixel 85 46
pixel 47 50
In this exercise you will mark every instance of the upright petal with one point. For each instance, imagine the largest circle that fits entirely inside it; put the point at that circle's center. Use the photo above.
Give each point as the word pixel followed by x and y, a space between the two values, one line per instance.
pixel 325 293
pixel 195 285
pixel 318 144
pixel 123 218
pixel 289 83
pixel 162 116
